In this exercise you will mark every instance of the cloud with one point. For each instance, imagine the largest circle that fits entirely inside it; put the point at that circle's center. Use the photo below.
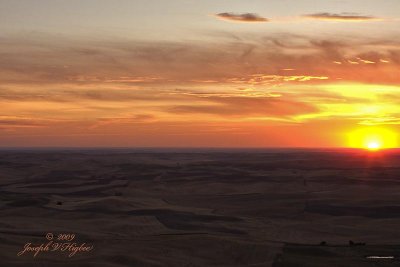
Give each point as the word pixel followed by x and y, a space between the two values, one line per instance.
pixel 22 122
pixel 129 74
pixel 392 120
pixel 138 118
pixel 127 119
pixel 245 17
pixel 260 79
pixel 141 64
pixel 340 17
pixel 237 106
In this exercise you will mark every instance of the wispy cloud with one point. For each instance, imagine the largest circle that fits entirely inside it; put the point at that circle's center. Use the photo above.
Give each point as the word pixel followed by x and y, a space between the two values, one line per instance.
pixel 246 106
pixel 245 17
pixel 126 83
pixel 22 122
pixel 340 17
pixel 259 79
pixel 145 64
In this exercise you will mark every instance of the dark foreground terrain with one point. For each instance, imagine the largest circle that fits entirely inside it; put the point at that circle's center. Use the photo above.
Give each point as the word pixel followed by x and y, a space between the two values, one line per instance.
pixel 221 208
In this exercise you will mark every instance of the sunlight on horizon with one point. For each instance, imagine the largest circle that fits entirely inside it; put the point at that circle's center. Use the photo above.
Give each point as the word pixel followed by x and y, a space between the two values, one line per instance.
pixel 372 138
pixel 373 145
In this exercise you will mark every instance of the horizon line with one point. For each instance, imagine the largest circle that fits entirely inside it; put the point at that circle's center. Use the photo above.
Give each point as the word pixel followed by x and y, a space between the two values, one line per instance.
pixel 172 147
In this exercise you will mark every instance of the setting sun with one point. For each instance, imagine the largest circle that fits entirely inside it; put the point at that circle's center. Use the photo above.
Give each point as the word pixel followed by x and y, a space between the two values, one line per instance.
pixel 374 145
pixel 372 138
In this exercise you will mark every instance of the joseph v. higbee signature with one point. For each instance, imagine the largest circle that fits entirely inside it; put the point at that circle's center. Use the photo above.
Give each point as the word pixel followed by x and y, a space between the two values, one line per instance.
pixel 62 243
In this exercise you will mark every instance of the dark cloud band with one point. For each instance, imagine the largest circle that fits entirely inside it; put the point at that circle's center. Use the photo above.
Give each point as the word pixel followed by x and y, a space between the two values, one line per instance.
pixel 245 17
pixel 341 16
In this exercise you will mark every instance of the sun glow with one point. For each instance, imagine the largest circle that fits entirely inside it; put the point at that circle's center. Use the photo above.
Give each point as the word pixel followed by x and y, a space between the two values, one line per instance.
pixel 373 145
pixel 373 138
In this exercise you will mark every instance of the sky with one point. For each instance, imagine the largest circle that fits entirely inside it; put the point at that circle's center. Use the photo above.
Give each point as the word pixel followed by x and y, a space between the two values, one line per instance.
pixel 189 73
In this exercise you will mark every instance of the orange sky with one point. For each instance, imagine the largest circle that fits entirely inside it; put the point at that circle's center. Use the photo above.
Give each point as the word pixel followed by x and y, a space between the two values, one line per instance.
pixel 298 79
